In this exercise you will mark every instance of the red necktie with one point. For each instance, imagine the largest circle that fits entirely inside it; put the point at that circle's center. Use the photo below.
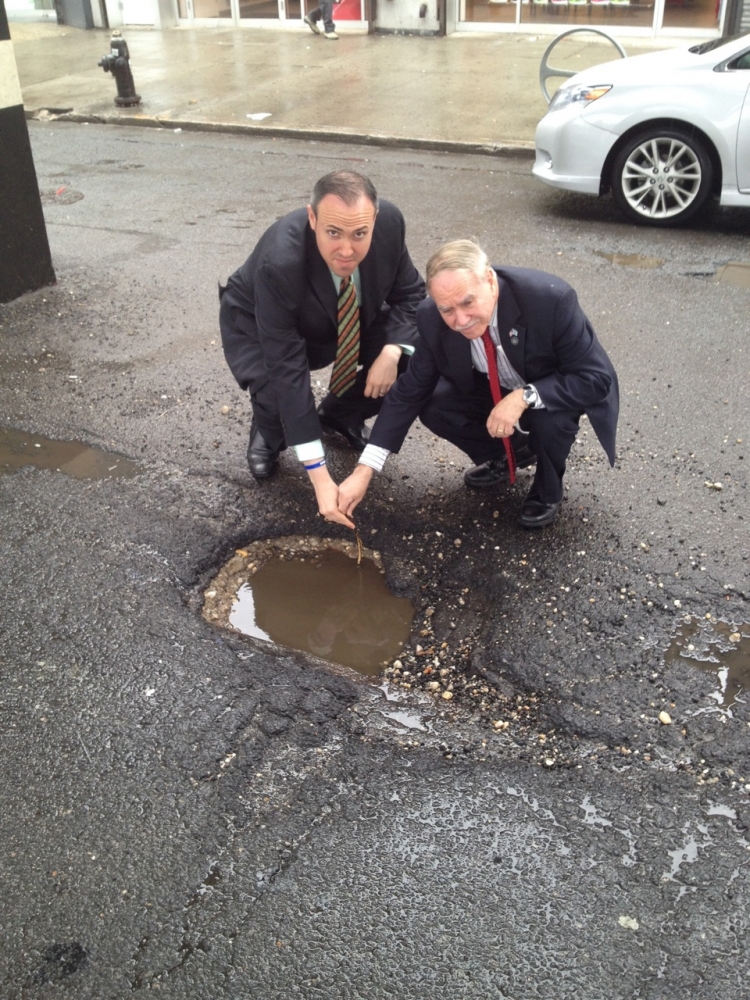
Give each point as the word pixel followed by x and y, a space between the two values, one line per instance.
pixel 497 395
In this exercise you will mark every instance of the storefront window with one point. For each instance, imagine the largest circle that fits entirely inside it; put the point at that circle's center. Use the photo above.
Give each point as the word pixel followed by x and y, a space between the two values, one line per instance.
pixel 595 13
pixel 259 8
pixel 205 8
pixel 621 14
pixel 566 13
pixel 269 10
pixel 692 14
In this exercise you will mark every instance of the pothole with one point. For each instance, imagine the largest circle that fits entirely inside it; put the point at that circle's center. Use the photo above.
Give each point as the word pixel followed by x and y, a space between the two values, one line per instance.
pixel 718 647
pixel 630 259
pixel 734 273
pixel 62 195
pixel 312 595
pixel 19 450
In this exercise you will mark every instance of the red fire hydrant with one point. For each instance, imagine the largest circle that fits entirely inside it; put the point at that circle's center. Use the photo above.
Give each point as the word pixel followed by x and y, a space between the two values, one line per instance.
pixel 118 64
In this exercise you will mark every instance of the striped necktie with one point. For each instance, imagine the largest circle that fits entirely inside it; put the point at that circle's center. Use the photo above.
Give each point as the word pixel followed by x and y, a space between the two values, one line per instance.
pixel 347 352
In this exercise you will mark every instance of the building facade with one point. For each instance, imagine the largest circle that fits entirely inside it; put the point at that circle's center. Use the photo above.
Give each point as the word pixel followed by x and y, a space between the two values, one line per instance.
pixel 699 18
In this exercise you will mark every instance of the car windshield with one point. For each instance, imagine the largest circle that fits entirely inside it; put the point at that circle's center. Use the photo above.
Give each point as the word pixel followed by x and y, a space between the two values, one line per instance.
pixel 714 43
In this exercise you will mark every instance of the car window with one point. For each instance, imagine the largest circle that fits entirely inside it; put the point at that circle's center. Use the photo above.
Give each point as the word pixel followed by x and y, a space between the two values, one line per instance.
pixel 742 63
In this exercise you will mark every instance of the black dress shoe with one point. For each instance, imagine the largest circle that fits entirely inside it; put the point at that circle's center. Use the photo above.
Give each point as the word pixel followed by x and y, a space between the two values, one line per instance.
pixel 537 514
pixel 494 472
pixel 356 434
pixel 262 459
pixel 487 475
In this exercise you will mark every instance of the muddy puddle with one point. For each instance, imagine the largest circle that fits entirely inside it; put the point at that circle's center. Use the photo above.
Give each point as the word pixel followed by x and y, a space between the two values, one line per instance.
pixel 19 450
pixel 312 595
pixel 630 259
pixel 735 273
pixel 718 647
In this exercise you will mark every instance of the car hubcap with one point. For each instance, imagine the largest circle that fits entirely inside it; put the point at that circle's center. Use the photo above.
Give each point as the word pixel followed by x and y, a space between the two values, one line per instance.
pixel 661 178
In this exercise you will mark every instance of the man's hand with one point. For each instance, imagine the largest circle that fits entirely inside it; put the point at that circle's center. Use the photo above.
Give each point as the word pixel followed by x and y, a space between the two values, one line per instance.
pixel 383 372
pixel 506 414
pixel 353 489
pixel 327 495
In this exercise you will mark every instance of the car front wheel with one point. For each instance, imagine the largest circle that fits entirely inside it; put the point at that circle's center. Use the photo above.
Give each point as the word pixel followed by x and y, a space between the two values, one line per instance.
pixel 662 177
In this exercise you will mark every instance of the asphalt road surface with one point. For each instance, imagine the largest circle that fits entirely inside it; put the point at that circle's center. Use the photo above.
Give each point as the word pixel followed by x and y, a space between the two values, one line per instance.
pixel 191 813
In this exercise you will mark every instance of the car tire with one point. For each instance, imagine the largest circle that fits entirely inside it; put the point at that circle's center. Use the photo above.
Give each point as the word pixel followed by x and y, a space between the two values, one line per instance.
pixel 662 176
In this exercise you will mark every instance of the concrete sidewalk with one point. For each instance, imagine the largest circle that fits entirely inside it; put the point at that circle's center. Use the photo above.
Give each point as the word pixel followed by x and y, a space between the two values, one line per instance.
pixel 463 92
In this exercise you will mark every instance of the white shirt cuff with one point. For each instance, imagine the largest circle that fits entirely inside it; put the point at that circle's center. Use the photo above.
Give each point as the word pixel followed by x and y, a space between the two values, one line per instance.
pixel 374 456
pixel 309 450
pixel 539 405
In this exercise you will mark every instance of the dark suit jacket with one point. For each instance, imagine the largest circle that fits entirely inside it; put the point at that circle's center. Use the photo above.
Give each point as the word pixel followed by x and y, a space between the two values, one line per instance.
pixel 278 311
pixel 554 346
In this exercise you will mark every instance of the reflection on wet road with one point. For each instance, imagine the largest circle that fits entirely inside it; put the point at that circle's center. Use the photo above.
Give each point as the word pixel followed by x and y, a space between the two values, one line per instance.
pixel 326 605
pixel 720 648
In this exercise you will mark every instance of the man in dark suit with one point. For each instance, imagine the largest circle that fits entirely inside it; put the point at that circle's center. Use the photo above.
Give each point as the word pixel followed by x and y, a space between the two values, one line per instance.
pixel 292 307
pixel 551 369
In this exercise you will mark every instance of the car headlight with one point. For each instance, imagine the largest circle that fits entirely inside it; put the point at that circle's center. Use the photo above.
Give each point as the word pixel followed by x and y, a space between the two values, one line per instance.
pixel 577 95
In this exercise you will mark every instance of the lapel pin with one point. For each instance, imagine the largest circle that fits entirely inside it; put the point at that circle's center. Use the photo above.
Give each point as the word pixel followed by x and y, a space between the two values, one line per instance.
pixel 513 337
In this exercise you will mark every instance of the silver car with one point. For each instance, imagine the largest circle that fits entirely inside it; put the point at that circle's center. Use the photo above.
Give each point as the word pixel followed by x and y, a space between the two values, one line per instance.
pixel 664 131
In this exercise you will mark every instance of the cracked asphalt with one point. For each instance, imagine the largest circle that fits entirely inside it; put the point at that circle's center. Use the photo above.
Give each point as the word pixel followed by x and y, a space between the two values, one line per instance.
pixel 194 813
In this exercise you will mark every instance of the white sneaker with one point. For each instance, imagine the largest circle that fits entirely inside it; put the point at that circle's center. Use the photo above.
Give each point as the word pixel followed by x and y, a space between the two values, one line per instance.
pixel 331 34
pixel 311 25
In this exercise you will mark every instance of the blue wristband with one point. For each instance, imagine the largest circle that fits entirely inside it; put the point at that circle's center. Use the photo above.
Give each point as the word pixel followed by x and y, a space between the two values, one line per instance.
pixel 316 465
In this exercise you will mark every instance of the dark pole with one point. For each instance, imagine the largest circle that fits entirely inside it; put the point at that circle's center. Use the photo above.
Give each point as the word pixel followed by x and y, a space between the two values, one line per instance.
pixel 25 260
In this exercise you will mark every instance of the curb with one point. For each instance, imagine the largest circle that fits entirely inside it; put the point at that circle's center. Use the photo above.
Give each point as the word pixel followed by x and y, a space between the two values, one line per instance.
pixel 518 148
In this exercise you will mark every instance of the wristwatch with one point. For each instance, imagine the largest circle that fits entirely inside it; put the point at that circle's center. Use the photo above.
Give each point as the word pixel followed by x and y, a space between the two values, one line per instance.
pixel 530 396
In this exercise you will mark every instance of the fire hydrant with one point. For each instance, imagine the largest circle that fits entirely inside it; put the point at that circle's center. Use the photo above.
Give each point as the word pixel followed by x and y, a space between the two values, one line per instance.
pixel 118 64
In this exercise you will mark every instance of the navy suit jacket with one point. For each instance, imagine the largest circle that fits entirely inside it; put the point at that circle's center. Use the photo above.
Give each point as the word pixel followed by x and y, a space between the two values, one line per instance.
pixel 278 313
pixel 546 337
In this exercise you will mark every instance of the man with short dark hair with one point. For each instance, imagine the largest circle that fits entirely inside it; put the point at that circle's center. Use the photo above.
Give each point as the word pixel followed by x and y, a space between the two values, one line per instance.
pixel 522 330
pixel 329 284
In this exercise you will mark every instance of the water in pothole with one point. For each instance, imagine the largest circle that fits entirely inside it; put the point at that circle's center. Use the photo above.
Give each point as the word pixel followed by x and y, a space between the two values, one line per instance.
pixel 630 259
pixel 320 601
pixel 19 449
pixel 721 648
pixel 735 273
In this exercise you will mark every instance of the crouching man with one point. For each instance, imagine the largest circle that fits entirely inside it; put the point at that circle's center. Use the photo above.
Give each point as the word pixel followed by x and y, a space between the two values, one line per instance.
pixel 506 364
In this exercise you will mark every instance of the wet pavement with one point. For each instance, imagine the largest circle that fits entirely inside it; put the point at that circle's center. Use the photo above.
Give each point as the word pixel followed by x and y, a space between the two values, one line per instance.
pixel 201 814
pixel 385 89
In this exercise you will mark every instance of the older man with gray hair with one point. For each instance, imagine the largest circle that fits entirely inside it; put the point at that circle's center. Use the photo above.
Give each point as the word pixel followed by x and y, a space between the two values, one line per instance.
pixel 506 365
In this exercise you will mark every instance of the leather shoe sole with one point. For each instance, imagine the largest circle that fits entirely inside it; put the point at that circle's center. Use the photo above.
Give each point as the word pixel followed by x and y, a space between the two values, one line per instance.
pixel 356 436
pixel 537 514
